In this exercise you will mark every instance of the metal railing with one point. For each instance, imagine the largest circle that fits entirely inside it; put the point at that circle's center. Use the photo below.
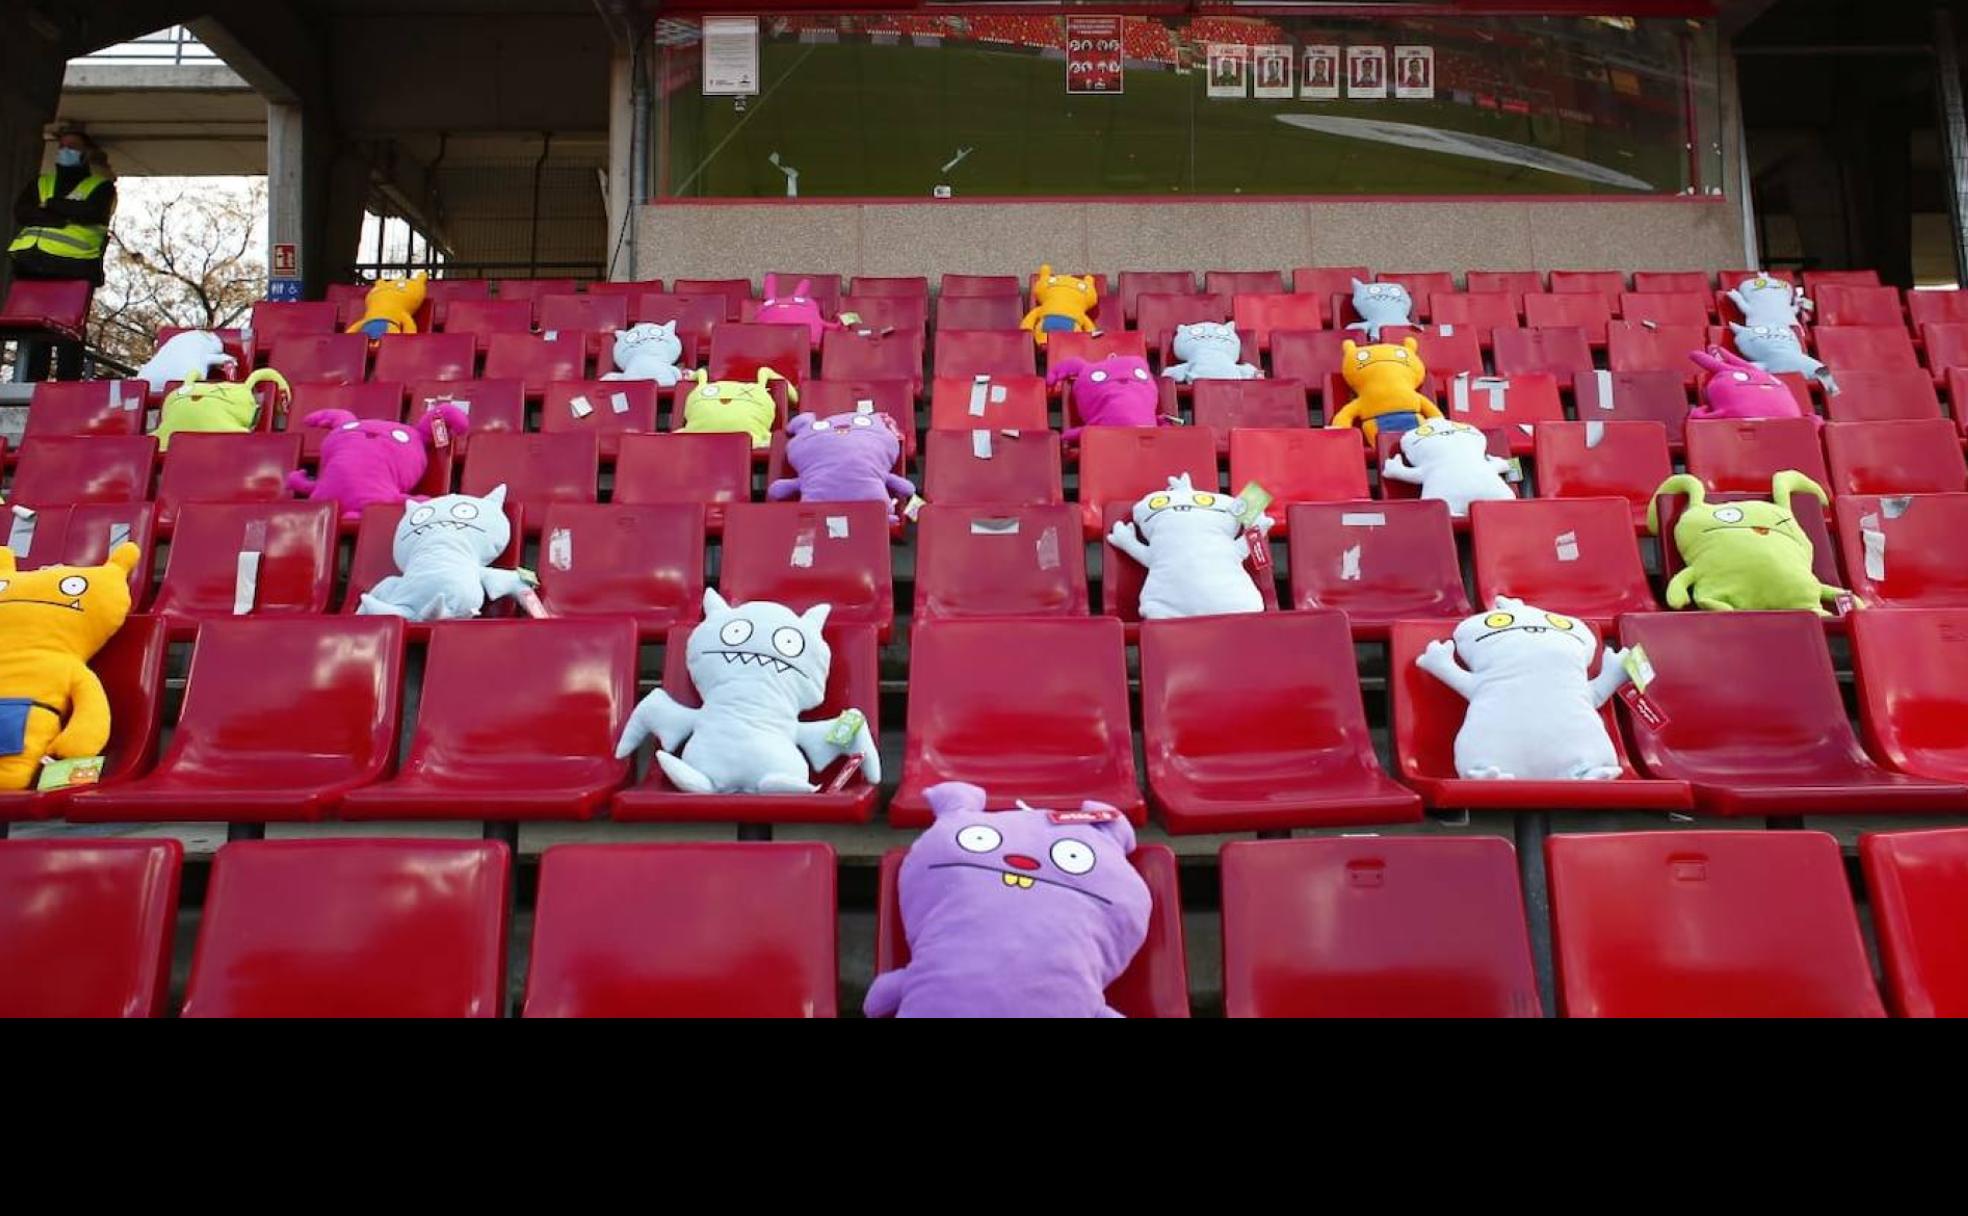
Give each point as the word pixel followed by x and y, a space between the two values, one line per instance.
pixel 174 45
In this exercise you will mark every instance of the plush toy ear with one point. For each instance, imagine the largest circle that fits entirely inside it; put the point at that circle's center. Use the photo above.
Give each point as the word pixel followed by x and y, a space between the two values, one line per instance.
pixel 623 335
pixel 1710 360
pixel 667 328
pixel 954 798
pixel 1065 369
pixel 267 375
pixel 1506 603
pixel 328 418
pixel 1358 286
pixel 815 618
pixel 771 286
pixel 124 557
pixel 1045 271
pixel 1181 482
pixel 1412 346
pixel 1789 482
pixel 1115 824
pixel 1680 483
pixel 455 419
pixel 802 287
pixel 703 378
pixel 713 602
pixel 1348 349
pixel 1087 279
pixel 419 277
pixel 497 498
pixel 1739 331
pixel 799 424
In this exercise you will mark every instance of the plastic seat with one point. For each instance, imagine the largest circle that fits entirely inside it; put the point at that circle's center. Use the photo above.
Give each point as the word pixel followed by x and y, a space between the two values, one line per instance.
pixel 1919 887
pixel 1661 397
pixel 684 930
pixel 1244 282
pixel 86 927
pixel 1576 556
pixel 1908 668
pixel 294 575
pixel 1427 714
pixel 54 308
pixel 60 469
pixel 1156 982
pixel 1917 555
pixel 593 315
pixel 272 320
pixel 1662 281
pixel 645 562
pixel 1422 287
pixel 82 535
pixel 532 289
pixel 1094 347
pixel 915 287
pixel 537 360
pixel 483 318
pixel 1123 463
pixel 1255 723
pixel 1378 562
pixel 1679 309
pixel 322 358
pixel 492 405
pixel 131 668
pixel 992 468
pixel 991 403
pixel 374 559
pixel 348 301
pixel 536 469
pixel 224 468
pixel 1706 924
pixel 1033 709
pixel 970 352
pixel 1606 284
pixel 1634 347
pixel 367 399
pixel 712 469
pixel 1560 352
pixel 353 928
pixel 1853 304
pixel 1743 456
pixel 1879 347
pixel 1518 283
pixel 606 409
pixel 281 718
pixel 901 314
pixel 1325 281
pixel 734 292
pixel 408 358
pixel 1228 405
pixel 1816 281
pixel 1947 348
pixel 1306 355
pixel 999 561
pixel 1257 315
pixel 1754 720
pixel 1159 314
pixel 1593 459
pixel 980 312
pixel 441 294
pixel 1926 308
pixel 1585 310
pixel 695 315
pixel 1136 283
pixel 1516 404
pixel 543 748
pixel 1446 350
pixel 1895 457
pixel 1374 928
pixel 1481 311
pixel 85 407
pixel 849 356
pixel 1883 396
pixel 1297 465
pixel 802 554
pixel 738 351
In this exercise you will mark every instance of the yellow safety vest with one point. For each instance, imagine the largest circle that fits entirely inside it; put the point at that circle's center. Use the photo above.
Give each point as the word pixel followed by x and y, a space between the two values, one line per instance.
pixel 83 242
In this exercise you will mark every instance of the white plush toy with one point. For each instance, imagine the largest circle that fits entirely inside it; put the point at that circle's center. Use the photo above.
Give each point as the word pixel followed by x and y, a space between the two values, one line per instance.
pixel 1767 301
pixel 1193 548
pixel 1776 349
pixel 757 667
pixel 193 350
pixel 441 548
pixel 648 352
pixel 1533 715
pixel 1209 350
pixel 1450 461
pixel 1381 305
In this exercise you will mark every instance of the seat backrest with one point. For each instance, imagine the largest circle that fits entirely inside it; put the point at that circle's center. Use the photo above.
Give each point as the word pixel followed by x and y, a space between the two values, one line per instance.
pixel 1094 347
pixel 980 312
pixel 1607 284
pixel 713 469
pixel 537 359
pixel 1160 313
pixel 204 467
pixel 407 358
pixel 86 927
pixel 1256 315
pixel 1482 311
pixel 1594 459
pixel 603 407
pixel 1376 561
pixel 985 352
pixel 85 407
pixel 487 317
pixel 1325 281
pixel 1226 405
pixel 695 315
pixel 491 405
pixel 61 304
pixel 1574 556
pixel 353 928
pixel 990 403
pixel 533 289
pixel 580 313
pixel 1298 464
pixel 999 561
pixel 1874 346
pixel 1583 309
pixel 1931 307
pixel 734 292
pixel 567 702
pixel 845 355
pixel 1422 287
pixel 684 930
pixel 621 559
pixel 1656 281
pixel 368 399
pixel 916 287
pixel 83 535
pixel 801 554
pixel 1907 664
pixel 322 358
pixel 1906 551
pixel 272 320
pixel 443 293
pixel 1634 346
pixel 1742 455
pixel 1517 403
pixel 1123 463
pixel 1396 927
pixel 1871 395
pixel 1815 281
pixel 1136 283
pixel 1519 283
pixel 1919 887
pixel 534 468
pixel 374 559
pixel 986 467
pixel 1308 356
pixel 294 573
pixel 1663 309
pixel 1902 457
pixel 1706 924
pixel 1660 396
pixel 1560 351
pixel 1855 304
pixel 1244 282
pixel 58 469
pixel 1947 347
pixel 902 314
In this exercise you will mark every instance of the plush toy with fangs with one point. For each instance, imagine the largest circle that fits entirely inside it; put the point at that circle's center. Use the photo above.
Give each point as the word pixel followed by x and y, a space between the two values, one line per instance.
pixel 1117 391
pixel 52 622
pixel 1736 388
pixel 1379 306
pixel 1192 545
pixel 844 458
pixel 1208 350
pixel 1060 304
pixel 369 460
pixel 1747 555
pixel 1386 381
pixel 441 548
pixel 1777 349
pixel 1451 462
pixel 648 352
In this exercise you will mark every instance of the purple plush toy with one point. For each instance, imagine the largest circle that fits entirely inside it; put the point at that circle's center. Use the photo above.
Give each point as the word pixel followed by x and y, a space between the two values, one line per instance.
pixel 373 460
pixel 796 309
pixel 1117 391
pixel 1736 388
pixel 845 458
pixel 1026 913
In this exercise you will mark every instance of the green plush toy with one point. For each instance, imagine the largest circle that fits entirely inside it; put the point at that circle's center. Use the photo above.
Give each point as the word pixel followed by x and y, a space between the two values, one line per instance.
pixel 213 406
pixel 1743 556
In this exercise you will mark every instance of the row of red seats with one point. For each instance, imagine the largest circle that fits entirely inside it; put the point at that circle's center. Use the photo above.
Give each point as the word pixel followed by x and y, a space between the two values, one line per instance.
pixel 1663 924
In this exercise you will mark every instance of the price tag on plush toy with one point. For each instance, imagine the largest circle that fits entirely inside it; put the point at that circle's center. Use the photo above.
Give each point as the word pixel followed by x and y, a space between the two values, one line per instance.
pixel 846 728
pixel 1091 814
pixel 66 774
pixel 1255 498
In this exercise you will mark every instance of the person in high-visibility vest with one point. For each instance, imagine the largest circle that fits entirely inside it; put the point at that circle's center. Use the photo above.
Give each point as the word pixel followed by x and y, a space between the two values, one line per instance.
pixel 63 216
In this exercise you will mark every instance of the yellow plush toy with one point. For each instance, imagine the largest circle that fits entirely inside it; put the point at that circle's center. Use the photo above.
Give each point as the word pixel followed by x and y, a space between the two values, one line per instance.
pixel 1384 379
pixel 216 406
pixel 719 406
pixel 391 307
pixel 52 622
pixel 1060 304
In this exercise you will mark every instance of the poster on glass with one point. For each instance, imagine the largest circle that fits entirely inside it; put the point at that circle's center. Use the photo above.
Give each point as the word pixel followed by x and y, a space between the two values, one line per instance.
pixel 1272 76
pixel 1226 69
pixel 1366 71
pixel 1319 79
pixel 731 57
pixel 1414 72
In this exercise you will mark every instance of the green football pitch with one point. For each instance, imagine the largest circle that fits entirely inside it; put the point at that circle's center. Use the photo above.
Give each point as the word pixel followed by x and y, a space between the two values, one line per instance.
pixel 857 119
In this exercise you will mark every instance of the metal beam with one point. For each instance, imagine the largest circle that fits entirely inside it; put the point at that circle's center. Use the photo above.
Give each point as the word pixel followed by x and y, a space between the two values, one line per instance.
pixel 1954 134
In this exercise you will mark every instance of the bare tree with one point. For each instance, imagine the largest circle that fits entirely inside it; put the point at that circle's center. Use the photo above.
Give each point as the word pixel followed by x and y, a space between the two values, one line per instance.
pixel 189 258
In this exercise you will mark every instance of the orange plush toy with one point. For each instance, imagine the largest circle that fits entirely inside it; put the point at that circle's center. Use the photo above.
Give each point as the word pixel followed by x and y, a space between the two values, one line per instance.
pixel 1060 304
pixel 391 307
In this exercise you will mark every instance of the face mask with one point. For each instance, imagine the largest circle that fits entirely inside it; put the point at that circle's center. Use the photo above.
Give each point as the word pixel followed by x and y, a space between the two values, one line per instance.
pixel 69 158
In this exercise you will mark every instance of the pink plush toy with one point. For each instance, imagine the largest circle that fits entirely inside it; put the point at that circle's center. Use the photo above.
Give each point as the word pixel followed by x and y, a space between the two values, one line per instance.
pixel 1736 388
pixel 796 309
pixel 374 460
pixel 1117 391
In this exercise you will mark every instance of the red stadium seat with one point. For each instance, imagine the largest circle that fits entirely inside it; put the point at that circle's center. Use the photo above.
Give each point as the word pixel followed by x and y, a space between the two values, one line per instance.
pixel 822 286
pixel 51 308
pixel 917 288
pixel 536 359
pixel 373 559
pixel 408 358
pixel 1907 666
pixel 542 748
pixel 1926 308
pixel 1816 281
pixel 1227 405
pixel 1094 347
pixel 845 355
pixel 536 469
pixel 348 301
pixel 1122 463
pixel 367 399
pixel 646 562
pixel 1526 400
pixel 712 469
pixel 1326 281
pixel 273 320
pixel 1422 287
pixel 980 312
pixel 1136 283
pixel 1947 348
pixel 1298 464
pixel 353 928
pixel 131 668
pixel 443 293
pixel 1754 721
pixel 1634 397
pixel 1895 457
pixel 985 352
pixel 999 561
pixel 1678 308
pixel 607 409
pixel 1160 314
pixel 1743 456
pixel 802 554
pixel 61 469
pixel 321 358
pixel 1919 558
pixel 280 719
pixel 684 930
pixel 1518 283
pixel 992 468
pixel 1919 887
pixel 695 315
pixel 1427 714
pixel 1607 284
pixel 86 927
pixel 1155 984
pixel 1584 310
pixel 734 292
pixel 85 407
pixel 1481 311
pixel 1244 282
pixel 1374 928
pixel 957 286
pixel 1661 281
pixel 1446 350
pixel 580 313
pixel 1378 562
pixel 1574 556
pixel 224 468
pixel 483 318
pixel 1851 304
pixel 83 535
pixel 203 577
pixel 533 289
pixel 1562 352
pixel 1255 723
pixel 1033 709
pixel 1257 315
pixel 989 403
pixel 1593 459
pixel 900 314
pixel 1706 924
pixel 1875 347
pixel 1634 347
pixel 492 405
pixel 1310 357
pixel 1876 396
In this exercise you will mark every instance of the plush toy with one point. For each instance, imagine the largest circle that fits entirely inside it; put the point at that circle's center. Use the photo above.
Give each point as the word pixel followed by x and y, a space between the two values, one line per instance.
pixel 1744 556
pixel 1014 914
pixel 1117 391
pixel 374 460
pixel 1060 304
pixel 717 406
pixel 1769 302
pixel 1208 350
pixel 1384 380
pixel 1193 548
pixel 795 309
pixel 52 622
pixel 391 307
pixel 213 407
pixel 1533 715
pixel 1450 461
pixel 648 352
pixel 193 352
pixel 1736 388
pixel 757 667
pixel 1381 305
pixel 1778 349
pixel 441 547
pixel 845 458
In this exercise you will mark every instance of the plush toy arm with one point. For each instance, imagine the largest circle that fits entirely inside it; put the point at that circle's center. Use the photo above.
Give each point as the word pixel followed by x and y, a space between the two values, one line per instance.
pixel 1498 465
pixel 1123 538
pixel 1084 325
pixel 901 487
pixel 1178 372
pixel 1250 371
pixel 1735 297
pixel 1108 1011
pixel 300 483
pixel 1612 675
pixel 782 489
pixel 661 718
pixel 1400 470
pixel 884 995
pixel 501 584
pixel 1439 660
pixel 1678 587
pixel 821 751
pixel 87 732
pixel 1346 416
pixel 1427 408
pixel 1362 326
pixel 1031 318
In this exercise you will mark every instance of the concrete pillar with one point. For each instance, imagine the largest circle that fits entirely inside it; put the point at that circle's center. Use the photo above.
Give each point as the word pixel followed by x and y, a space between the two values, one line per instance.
pixel 31 63
pixel 286 182
pixel 621 144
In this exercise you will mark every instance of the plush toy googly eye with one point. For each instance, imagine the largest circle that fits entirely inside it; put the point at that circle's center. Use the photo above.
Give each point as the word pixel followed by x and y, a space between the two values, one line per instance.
pixel 400 436
pixel 1499 620
pixel 1729 515
pixel 863 420
pixel 1098 377
pixel 1140 373
pixel 351 426
pixel 823 426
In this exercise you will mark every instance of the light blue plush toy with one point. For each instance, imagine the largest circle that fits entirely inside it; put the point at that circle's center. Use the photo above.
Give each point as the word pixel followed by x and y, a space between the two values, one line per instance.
pixel 757 667
pixel 1776 349
pixel 1381 305
pixel 1209 350
pixel 1767 301
pixel 442 546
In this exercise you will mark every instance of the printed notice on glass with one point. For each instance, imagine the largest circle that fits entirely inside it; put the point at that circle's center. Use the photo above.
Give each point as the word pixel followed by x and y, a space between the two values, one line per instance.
pixel 1093 54
pixel 1414 72
pixel 731 56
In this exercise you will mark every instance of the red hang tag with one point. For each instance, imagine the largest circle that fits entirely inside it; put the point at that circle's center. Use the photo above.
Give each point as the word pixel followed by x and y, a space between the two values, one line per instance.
pixel 1844 604
pixel 1260 549
pixel 1082 816
pixel 1643 708
pixel 440 432
pixel 848 768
